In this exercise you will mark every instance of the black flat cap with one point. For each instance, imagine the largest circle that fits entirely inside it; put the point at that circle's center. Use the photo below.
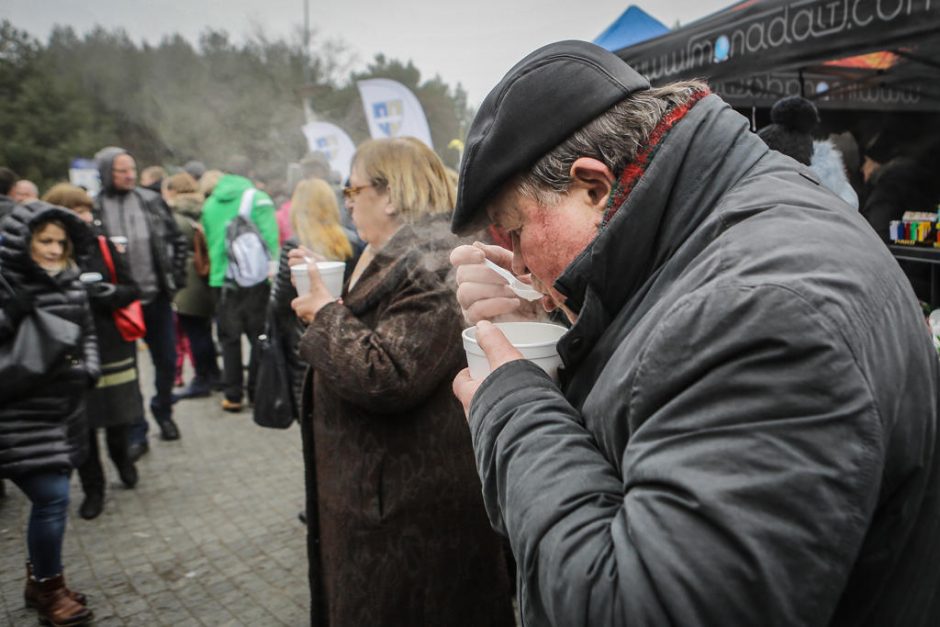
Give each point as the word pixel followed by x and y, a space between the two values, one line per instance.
pixel 541 102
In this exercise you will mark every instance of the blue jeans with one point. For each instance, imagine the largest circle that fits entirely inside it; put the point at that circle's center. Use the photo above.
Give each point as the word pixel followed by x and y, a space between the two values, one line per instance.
pixel 49 494
pixel 161 340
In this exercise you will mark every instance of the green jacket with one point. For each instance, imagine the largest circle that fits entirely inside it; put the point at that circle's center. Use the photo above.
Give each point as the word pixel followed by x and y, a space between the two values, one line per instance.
pixel 219 210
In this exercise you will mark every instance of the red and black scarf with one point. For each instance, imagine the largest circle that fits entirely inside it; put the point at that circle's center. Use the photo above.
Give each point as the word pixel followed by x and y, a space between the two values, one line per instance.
pixel 635 169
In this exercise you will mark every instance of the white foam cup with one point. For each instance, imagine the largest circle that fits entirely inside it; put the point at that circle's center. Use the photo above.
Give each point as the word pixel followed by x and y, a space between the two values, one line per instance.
pixel 301 278
pixel 535 340
pixel 332 274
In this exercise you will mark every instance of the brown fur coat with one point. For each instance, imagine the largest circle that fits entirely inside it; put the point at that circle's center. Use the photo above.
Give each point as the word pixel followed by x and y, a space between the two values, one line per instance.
pixel 398 533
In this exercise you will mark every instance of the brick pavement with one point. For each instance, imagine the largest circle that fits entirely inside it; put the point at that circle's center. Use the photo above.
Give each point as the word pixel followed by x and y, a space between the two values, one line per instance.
pixel 210 535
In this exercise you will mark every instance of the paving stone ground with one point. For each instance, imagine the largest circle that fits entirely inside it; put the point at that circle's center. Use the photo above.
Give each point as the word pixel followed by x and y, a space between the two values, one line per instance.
pixel 210 535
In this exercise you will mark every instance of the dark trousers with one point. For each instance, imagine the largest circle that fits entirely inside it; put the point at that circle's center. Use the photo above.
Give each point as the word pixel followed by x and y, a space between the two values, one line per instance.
pixel 240 310
pixel 49 494
pixel 90 472
pixel 161 340
pixel 199 331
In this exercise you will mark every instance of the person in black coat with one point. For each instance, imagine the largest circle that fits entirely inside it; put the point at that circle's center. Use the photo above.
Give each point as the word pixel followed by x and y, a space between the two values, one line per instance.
pixel 115 403
pixel 42 419
pixel 315 221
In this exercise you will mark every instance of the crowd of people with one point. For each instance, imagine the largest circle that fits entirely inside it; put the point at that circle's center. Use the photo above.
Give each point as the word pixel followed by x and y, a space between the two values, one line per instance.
pixel 162 251
pixel 743 431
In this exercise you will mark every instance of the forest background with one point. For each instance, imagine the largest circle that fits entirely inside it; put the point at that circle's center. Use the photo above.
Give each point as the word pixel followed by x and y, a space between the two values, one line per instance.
pixel 168 103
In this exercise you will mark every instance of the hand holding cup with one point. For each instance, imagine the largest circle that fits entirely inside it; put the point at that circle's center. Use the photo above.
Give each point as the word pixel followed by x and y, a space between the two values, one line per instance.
pixel 312 293
pixel 498 351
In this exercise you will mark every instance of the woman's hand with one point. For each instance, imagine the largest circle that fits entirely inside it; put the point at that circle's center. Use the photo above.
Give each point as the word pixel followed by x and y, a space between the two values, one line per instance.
pixel 302 254
pixel 307 306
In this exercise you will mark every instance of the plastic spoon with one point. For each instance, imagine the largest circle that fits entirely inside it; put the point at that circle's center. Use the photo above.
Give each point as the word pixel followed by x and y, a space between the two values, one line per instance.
pixel 521 289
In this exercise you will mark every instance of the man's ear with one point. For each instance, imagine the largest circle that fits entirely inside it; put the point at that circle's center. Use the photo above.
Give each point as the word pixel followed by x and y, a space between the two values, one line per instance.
pixel 594 178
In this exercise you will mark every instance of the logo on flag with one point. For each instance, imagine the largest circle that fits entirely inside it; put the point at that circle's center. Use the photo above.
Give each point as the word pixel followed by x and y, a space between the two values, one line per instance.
pixel 332 141
pixel 388 116
pixel 392 110
pixel 328 145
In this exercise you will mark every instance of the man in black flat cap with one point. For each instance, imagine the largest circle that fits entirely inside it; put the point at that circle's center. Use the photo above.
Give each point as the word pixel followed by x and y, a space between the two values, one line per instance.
pixel 745 427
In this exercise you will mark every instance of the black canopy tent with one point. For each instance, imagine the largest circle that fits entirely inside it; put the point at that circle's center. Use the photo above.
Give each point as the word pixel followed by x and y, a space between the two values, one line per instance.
pixel 757 51
pixel 873 65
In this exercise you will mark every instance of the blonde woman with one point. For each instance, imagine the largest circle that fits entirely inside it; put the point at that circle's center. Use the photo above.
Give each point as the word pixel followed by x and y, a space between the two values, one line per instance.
pixel 397 532
pixel 314 219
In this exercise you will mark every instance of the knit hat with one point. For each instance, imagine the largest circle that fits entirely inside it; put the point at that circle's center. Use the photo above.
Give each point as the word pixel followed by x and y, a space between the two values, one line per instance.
pixel 195 169
pixel 541 102
pixel 794 119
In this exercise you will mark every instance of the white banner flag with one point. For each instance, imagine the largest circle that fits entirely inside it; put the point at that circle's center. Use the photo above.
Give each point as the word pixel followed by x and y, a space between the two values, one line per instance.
pixel 393 111
pixel 332 141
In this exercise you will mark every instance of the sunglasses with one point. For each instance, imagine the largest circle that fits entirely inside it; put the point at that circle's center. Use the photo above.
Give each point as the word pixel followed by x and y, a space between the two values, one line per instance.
pixel 350 192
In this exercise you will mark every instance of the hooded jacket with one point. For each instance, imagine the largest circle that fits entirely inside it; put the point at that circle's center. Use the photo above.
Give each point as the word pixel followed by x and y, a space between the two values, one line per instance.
pixel 167 245
pixel 745 432
pixel 43 429
pixel 220 208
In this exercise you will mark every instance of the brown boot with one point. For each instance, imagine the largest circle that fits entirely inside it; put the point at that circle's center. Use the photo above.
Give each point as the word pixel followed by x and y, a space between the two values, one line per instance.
pixel 56 607
pixel 31 593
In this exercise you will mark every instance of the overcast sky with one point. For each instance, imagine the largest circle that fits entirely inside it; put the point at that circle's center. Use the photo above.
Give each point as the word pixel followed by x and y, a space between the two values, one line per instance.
pixel 473 42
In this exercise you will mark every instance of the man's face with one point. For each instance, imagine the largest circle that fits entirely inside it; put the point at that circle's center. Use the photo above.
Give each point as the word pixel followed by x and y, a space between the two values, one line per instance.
pixel 124 173
pixel 545 240
pixel 24 191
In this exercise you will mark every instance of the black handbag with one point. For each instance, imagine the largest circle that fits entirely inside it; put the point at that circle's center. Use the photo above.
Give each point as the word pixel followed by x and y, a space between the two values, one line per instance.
pixel 274 398
pixel 39 344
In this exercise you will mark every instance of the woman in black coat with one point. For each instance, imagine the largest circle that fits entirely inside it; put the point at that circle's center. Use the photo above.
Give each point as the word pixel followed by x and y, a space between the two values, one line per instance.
pixel 115 403
pixel 42 419
pixel 315 221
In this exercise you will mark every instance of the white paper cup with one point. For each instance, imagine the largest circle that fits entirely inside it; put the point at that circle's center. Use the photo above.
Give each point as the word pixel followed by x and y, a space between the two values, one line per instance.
pixel 301 279
pixel 331 272
pixel 535 340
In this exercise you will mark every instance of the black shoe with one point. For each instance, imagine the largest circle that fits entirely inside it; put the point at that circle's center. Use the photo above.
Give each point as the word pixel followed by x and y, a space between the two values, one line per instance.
pixel 168 430
pixel 128 474
pixel 92 506
pixel 136 450
pixel 215 382
pixel 195 389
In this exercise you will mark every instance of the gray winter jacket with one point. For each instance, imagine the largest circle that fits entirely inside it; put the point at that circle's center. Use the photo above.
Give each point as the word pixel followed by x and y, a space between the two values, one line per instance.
pixel 746 428
pixel 168 248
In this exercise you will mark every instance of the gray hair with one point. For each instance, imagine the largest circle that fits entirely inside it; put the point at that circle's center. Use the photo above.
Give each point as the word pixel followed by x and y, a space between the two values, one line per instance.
pixel 613 138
